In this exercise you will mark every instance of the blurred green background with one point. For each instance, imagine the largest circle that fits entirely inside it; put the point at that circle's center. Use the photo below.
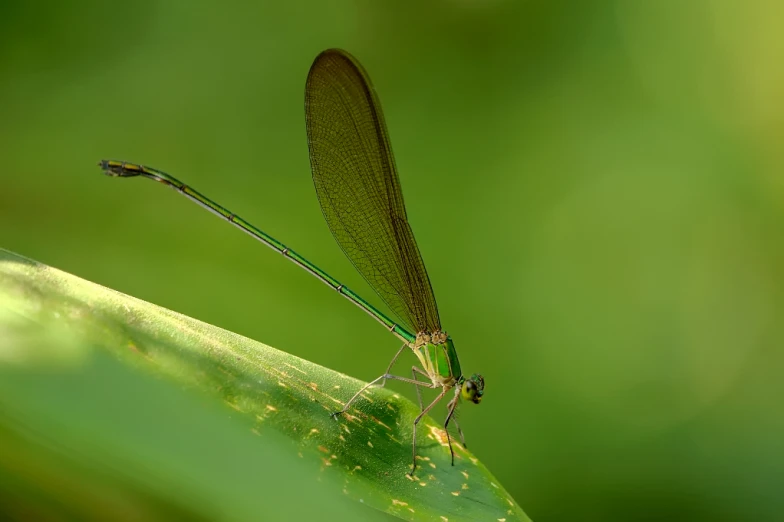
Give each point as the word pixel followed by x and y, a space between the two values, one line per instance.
pixel 596 189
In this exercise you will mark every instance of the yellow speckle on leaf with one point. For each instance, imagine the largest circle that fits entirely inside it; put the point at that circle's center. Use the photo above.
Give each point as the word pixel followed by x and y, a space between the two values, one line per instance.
pixel 501 520
pixel 464 486
pixel 432 465
pixel 370 444
pixel 270 407
pixel 465 474
pixel 399 502
pixel 456 493
pixel 423 484
pixel 380 423
pixel 494 485
pixel 295 368
pixel 444 519
pixel 313 431
pixel 439 435
pixel 282 385
pixel 323 449
pixel 473 460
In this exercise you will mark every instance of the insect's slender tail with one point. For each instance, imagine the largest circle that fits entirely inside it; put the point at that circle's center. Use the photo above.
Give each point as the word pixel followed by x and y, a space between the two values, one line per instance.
pixel 117 169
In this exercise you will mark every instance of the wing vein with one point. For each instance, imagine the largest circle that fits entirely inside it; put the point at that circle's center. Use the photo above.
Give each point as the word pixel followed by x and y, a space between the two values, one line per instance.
pixel 358 187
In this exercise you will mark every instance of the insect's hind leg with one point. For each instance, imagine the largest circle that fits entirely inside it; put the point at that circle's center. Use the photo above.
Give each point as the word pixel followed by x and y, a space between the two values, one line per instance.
pixel 352 399
pixel 391 364
pixel 374 381
pixel 414 371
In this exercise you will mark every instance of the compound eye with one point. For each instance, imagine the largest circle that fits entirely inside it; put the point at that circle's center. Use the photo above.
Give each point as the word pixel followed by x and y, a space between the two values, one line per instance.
pixel 469 391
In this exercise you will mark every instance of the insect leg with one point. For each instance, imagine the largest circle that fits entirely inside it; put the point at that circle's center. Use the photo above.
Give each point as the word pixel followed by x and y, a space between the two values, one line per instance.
pixel 419 417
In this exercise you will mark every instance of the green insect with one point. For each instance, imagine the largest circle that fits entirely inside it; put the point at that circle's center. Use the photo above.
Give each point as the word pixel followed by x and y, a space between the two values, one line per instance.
pixel 359 192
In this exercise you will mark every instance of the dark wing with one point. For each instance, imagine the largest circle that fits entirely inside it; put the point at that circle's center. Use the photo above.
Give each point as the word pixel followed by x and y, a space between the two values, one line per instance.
pixel 358 188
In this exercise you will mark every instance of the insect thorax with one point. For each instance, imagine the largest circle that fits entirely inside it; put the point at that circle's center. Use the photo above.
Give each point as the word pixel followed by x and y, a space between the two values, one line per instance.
pixel 436 352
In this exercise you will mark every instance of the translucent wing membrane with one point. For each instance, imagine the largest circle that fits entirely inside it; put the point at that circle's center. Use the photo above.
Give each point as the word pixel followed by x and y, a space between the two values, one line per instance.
pixel 358 188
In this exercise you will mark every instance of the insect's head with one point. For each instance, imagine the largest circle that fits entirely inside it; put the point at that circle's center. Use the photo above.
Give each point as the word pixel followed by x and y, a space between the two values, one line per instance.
pixel 473 388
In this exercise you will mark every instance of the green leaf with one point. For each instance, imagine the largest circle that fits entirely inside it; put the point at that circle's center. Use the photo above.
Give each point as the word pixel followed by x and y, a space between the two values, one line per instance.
pixel 138 407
